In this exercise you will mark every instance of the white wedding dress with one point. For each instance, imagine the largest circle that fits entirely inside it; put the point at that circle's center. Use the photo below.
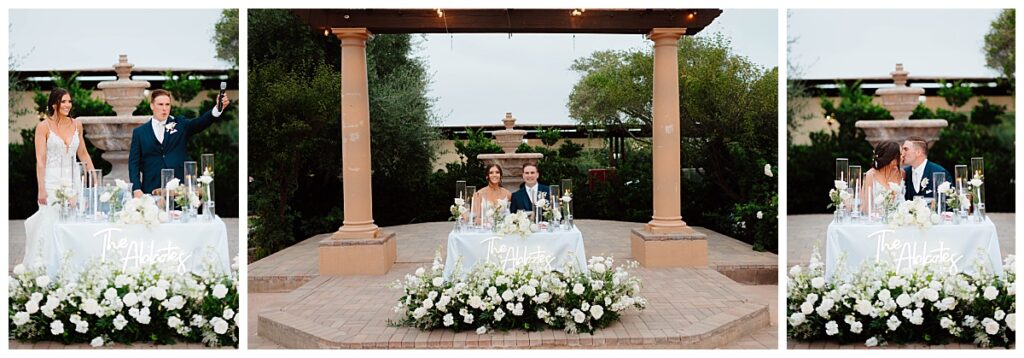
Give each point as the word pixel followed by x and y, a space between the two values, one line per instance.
pixel 60 164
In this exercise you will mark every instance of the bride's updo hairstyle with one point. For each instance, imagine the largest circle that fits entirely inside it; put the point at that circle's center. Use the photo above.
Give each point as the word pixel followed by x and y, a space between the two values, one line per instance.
pixel 55 96
pixel 885 153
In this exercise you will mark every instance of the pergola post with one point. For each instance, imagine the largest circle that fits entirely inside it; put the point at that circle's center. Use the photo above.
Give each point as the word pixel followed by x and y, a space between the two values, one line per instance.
pixel 359 247
pixel 666 241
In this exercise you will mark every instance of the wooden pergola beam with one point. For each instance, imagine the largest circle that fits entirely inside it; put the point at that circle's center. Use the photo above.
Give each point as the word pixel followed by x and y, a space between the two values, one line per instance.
pixel 598 21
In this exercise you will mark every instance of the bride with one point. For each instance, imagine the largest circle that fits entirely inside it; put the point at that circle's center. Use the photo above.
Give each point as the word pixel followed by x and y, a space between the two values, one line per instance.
pixel 491 193
pixel 58 142
pixel 886 170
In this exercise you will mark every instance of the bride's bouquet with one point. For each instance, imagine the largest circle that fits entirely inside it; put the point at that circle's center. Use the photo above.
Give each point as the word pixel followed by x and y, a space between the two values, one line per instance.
pixel 497 212
pixel 889 198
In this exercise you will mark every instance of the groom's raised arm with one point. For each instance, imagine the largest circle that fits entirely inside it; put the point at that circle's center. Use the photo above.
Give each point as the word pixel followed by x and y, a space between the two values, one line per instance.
pixel 134 161
pixel 204 121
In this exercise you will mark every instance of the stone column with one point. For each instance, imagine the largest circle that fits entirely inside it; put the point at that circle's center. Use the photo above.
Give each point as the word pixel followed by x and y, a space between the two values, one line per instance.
pixel 666 241
pixel 359 246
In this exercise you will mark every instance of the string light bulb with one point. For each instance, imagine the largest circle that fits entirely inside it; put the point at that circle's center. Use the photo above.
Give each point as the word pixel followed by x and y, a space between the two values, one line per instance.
pixel 327 32
pixel 691 15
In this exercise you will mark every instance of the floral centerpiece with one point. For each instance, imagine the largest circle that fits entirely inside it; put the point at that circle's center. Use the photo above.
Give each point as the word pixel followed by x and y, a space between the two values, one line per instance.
pixel 953 199
pixel 878 305
pixel 838 195
pixel 528 297
pixel 143 211
pixel 182 197
pixel 566 199
pixel 516 223
pixel 116 194
pixel 458 209
pixel 975 188
pixel 64 194
pixel 105 304
pixel 889 198
pixel 915 212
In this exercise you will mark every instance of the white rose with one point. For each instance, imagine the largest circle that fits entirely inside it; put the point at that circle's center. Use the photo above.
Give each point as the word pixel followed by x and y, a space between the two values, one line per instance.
pixel 467 318
pixel 871 342
pixel 578 316
pixel 1011 321
pixel 796 319
pixel 945 322
pixel 856 327
pixel 507 295
pixel 32 307
pixel 448 320
pixel 760 215
pixel 205 179
pixel 768 170
pixel 57 327
pixel 903 300
pixel 578 289
pixel 991 326
pixel 174 322
pixel 419 312
pixel 43 281
pixel 991 293
pixel 999 315
pixel 840 185
pixel 596 311
pixel 807 308
pixel 893 323
pixel 481 330
pixel 130 299
pixel 831 328
pixel 818 282
pixel 19 269
pixel 97 342
pixel 220 326
pixel 438 281
pixel 21 318
pixel 599 268
pixel 219 291
pixel 120 322
pixel 795 271
pixel 498 315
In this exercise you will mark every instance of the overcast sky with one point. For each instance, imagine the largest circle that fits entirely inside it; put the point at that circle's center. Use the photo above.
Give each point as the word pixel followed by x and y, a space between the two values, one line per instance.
pixel 74 39
pixel 478 77
pixel 856 43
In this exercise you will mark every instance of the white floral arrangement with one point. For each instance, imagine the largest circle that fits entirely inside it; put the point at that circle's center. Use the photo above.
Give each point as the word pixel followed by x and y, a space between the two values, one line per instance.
pixel 497 212
pixel 915 212
pixel 105 304
pixel 142 211
pixel 839 196
pixel 517 224
pixel 547 210
pixel 889 198
pixel 953 200
pixel 182 196
pixel 206 181
pixel 64 194
pixel 115 194
pixel 876 305
pixel 975 187
pixel 566 199
pixel 458 209
pixel 528 298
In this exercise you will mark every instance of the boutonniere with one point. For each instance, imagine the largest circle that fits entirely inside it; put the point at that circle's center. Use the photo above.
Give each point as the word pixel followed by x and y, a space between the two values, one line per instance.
pixel 170 128
pixel 924 183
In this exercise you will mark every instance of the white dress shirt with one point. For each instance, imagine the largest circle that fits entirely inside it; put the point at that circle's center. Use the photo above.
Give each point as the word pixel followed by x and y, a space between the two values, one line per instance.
pixel 918 174
pixel 532 193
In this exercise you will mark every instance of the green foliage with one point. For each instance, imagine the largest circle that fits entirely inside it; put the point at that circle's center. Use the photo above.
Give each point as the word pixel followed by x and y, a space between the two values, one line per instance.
pixel 726 102
pixel 955 94
pixel 549 136
pixel 183 87
pixel 294 83
pixel 225 36
pixel 1000 46
pixel 986 131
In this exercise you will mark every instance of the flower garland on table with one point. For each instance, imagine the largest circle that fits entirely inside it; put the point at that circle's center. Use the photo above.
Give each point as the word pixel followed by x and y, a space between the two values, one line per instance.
pixel 105 304
pixel 527 297
pixel 877 305
pixel 517 223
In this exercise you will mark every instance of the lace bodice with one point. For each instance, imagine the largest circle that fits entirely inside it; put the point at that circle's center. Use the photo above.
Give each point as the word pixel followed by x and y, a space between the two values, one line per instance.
pixel 60 159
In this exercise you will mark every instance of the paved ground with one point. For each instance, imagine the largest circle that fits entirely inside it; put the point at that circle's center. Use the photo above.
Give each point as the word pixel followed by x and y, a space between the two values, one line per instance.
pixel 806 231
pixel 351 311
pixel 16 250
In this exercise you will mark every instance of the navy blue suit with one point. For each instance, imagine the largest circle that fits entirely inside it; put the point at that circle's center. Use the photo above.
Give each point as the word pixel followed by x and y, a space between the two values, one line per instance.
pixel 148 156
pixel 521 199
pixel 929 169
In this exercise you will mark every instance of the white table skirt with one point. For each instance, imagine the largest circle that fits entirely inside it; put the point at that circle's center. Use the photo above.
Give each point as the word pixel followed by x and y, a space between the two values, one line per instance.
pixel 173 246
pixel 552 249
pixel 957 248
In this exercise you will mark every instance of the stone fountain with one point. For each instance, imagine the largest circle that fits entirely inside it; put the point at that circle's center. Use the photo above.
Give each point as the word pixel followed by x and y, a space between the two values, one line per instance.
pixel 113 134
pixel 511 162
pixel 901 101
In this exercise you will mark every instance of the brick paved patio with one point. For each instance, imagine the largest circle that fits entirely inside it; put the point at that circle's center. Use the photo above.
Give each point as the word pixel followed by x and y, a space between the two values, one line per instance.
pixel 698 307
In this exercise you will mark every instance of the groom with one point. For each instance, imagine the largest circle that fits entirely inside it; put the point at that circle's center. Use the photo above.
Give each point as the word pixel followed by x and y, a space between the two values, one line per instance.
pixel 524 198
pixel 162 142
pixel 917 175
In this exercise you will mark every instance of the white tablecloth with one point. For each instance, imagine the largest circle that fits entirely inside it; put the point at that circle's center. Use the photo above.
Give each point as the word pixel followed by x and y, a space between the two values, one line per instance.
pixel 174 246
pixel 955 247
pixel 553 249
